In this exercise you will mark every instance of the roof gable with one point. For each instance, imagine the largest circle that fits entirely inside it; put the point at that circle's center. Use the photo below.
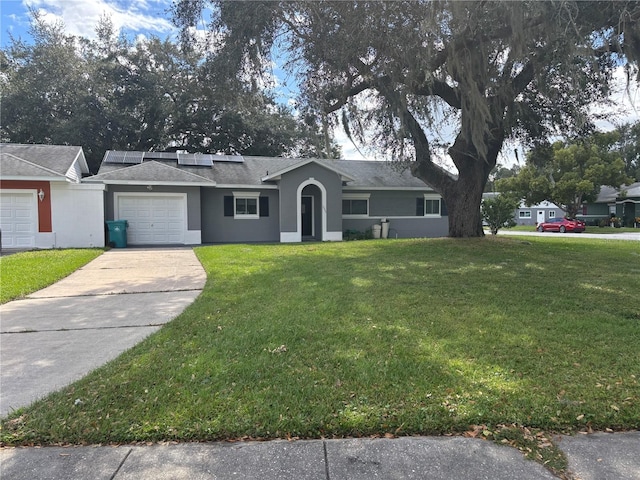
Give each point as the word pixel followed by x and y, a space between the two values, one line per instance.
pixel 48 162
pixel 278 174
pixel 150 173
pixel 18 168
pixel 630 191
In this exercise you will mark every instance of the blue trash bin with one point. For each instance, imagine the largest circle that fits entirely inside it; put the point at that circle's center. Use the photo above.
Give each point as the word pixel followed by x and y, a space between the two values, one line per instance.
pixel 118 233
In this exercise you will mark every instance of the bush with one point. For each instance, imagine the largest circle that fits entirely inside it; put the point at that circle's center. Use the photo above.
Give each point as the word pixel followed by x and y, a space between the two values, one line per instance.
pixel 498 212
pixel 357 235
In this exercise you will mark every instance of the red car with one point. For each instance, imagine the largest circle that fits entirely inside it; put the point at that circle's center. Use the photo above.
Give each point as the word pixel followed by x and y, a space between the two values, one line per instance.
pixel 562 225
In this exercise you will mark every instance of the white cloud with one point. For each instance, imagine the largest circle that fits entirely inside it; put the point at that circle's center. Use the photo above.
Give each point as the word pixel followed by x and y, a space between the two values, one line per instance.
pixel 80 17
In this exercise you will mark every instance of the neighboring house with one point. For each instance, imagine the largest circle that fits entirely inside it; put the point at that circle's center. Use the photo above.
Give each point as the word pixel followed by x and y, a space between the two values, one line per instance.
pixel 43 203
pixel 176 198
pixel 623 203
pixel 534 214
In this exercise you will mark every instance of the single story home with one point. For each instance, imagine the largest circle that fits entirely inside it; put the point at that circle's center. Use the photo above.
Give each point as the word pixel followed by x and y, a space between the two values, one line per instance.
pixel 189 199
pixel 44 202
pixel 532 214
pixel 538 213
pixel 623 203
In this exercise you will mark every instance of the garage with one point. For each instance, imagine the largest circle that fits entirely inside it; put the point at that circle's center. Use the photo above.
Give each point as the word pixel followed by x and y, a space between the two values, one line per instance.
pixel 18 219
pixel 154 219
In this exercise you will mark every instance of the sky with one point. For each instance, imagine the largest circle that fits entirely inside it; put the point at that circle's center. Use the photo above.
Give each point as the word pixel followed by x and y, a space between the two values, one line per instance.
pixel 81 16
pixel 137 18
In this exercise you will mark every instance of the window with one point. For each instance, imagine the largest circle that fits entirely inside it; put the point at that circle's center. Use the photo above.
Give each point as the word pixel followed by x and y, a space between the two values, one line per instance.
pixel 355 205
pixel 246 205
pixel 432 205
pixel 552 214
pixel 524 214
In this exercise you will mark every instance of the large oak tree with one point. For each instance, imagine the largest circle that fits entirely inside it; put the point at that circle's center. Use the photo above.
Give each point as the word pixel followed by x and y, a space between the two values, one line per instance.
pixel 110 93
pixel 396 71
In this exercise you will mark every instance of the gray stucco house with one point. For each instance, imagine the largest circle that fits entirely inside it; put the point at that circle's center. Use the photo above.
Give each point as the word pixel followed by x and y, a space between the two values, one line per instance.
pixel 178 198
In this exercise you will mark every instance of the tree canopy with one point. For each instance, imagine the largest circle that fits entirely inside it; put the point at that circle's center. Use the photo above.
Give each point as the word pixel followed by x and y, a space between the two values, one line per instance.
pixel 403 75
pixel 569 173
pixel 110 93
pixel 628 146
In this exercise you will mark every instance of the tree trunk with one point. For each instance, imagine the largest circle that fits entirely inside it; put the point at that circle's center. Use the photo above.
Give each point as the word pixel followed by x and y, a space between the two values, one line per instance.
pixel 462 199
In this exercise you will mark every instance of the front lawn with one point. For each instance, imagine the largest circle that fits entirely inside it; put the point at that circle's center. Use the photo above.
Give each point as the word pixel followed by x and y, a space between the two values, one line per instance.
pixel 26 272
pixel 371 338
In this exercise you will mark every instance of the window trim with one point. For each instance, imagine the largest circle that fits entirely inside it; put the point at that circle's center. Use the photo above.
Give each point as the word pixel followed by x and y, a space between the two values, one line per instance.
pixel 246 196
pixel 522 215
pixel 552 214
pixel 357 196
pixel 432 196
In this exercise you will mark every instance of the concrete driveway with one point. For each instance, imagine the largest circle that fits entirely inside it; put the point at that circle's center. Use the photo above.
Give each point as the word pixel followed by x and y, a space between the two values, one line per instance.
pixel 59 334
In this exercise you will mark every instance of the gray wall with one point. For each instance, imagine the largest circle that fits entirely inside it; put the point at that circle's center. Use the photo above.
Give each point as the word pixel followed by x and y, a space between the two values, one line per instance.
pixel 216 228
pixel 390 203
pixel 193 200
pixel 534 215
pixel 399 207
pixel 399 227
pixel 288 191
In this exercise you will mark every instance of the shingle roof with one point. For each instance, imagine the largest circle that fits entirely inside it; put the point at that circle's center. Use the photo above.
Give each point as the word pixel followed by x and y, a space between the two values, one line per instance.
pixel 610 195
pixel 251 172
pixel 631 191
pixel 151 172
pixel 31 161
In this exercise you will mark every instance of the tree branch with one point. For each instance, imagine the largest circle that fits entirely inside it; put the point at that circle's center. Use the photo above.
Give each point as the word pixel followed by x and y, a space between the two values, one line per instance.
pixel 441 89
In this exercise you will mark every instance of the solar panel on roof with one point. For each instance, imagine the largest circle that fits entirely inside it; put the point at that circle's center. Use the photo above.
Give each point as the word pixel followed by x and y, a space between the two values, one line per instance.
pixel 195 159
pixel 133 157
pixel 160 155
pixel 204 160
pixel 186 159
pixel 113 156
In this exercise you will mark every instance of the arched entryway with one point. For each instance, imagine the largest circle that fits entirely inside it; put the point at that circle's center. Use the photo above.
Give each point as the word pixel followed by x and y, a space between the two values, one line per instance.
pixel 312 210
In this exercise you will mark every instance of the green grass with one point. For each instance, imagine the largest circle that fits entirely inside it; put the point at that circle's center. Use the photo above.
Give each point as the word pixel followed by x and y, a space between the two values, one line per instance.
pixel 26 272
pixel 374 337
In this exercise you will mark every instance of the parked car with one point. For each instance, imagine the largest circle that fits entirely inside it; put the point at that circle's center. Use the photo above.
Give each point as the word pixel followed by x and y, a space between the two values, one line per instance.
pixel 562 225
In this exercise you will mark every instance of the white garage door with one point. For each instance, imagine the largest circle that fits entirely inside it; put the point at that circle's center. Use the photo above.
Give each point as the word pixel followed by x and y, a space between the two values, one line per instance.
pixel 153 219
pixel 18 219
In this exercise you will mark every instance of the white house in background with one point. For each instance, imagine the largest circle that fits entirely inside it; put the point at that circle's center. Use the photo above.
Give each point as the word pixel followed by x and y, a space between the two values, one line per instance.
pixel 43 203
pixel 534 214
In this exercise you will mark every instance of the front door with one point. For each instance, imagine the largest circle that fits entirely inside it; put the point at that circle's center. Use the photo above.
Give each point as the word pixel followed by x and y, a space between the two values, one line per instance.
pixel 307 216
pixel 540 218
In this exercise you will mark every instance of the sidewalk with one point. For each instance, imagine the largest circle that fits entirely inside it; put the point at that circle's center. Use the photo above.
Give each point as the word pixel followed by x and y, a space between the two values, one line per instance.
pixel 600 456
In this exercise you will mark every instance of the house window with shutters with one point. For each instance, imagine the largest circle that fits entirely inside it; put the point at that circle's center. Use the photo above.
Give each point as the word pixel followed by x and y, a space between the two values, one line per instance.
pixel 246 205
pixel 429 206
